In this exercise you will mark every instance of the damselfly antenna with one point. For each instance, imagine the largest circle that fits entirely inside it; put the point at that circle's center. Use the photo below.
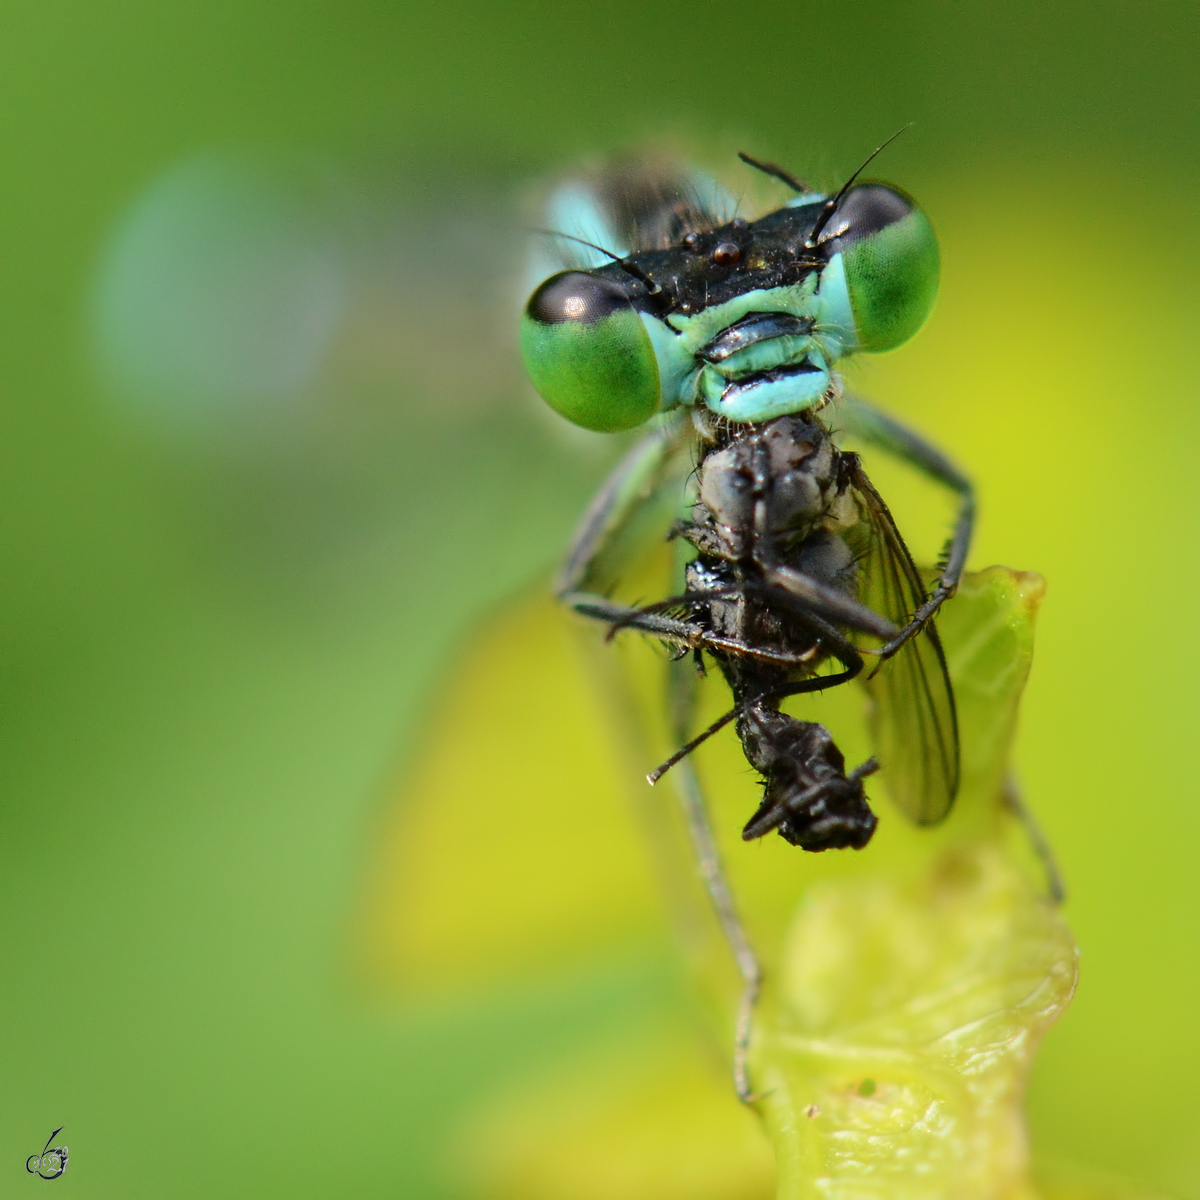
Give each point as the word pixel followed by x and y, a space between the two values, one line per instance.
pixel 775 172
pixel 630 268
pixel 830 206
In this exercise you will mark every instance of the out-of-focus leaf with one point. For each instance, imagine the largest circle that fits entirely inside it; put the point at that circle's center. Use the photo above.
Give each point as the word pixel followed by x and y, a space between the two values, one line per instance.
pixel 648 1119
pixel 905 1000
pixel 506 845
pixel 895 1044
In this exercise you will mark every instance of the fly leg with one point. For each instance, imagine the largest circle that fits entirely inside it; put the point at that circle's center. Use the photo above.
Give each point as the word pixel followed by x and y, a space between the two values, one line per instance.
pixel 622 616
pixel 689 635
pixel 868 423
pixel 701 637
pixel 812 598
pixel 708 859
pixel 831 640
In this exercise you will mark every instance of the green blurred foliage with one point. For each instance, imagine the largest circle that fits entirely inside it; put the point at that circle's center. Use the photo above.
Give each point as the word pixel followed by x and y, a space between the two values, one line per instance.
pixel 213 657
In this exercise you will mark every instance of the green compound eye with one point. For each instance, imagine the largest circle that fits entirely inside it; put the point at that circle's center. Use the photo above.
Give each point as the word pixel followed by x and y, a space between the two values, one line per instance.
pixel 890 253
pixel 588 353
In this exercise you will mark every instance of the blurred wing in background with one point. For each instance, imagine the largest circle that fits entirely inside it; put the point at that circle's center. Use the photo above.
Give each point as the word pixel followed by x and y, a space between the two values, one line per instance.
pixel 323 358
pixel 338 346
pixel 255 301
pixel 624 206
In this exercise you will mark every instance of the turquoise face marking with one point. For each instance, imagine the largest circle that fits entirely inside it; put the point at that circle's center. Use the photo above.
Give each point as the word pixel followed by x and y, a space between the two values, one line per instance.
pixel 747 319
pixel 776 367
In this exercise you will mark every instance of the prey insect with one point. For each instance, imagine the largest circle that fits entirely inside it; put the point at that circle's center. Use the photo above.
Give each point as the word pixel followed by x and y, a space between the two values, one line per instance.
pixel 723 336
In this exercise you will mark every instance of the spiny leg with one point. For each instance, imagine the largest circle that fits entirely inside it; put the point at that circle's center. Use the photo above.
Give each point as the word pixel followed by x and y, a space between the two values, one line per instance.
pixel 687 635
pixel 708 859
pixel 817 683
pixel 802 595
pixel 691 635
pixel 833 642
pixel 1038 841
pixel 623 616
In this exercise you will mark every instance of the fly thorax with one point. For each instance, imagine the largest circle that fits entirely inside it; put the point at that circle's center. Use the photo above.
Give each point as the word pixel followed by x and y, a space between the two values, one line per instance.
pixel 726 499
pixel 802 477
pixel 796 465
pixel 724 614
pixel 825 557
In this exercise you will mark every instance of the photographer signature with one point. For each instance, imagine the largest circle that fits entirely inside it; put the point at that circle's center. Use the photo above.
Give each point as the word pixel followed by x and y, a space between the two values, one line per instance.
pixel 52 1161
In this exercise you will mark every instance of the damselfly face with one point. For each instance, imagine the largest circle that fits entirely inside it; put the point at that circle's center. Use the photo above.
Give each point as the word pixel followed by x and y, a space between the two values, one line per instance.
pixel 747 318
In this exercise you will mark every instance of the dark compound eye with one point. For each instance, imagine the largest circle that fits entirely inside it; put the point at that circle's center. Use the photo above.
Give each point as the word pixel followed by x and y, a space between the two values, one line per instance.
pixel 575 296
pixel 865 210
pixel 589 354
pixel 889 255
pixel 727 254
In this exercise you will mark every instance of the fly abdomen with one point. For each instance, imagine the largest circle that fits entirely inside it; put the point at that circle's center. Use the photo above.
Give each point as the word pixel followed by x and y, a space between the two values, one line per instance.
pixel 807 795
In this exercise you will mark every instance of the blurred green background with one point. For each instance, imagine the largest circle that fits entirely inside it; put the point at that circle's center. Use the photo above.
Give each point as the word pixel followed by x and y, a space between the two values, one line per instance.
pixel 267 460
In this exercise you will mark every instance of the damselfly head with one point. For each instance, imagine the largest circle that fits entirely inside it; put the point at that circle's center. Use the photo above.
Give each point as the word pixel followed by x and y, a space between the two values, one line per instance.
pixel 747 318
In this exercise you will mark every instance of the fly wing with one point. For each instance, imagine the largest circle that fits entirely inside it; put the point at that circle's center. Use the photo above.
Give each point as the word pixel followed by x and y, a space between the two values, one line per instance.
pixel 913 717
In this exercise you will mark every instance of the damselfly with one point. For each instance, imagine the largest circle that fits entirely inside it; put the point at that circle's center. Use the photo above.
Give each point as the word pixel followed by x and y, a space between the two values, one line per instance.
pixel 723 336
